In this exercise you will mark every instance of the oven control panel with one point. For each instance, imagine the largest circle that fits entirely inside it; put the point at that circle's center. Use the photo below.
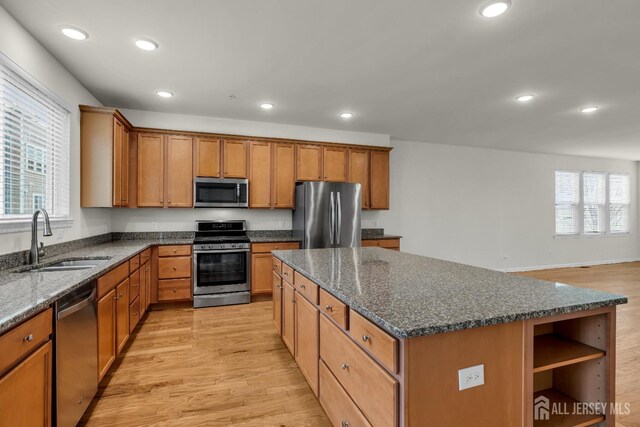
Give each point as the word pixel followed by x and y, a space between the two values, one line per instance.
pixel 221 247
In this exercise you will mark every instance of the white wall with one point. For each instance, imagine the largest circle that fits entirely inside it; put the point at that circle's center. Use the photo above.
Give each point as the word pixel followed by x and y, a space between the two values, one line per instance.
pixel 479 206
pixel 19 46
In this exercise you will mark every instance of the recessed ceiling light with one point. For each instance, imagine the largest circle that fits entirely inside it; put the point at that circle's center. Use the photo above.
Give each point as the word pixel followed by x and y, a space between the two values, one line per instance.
pixel 525 98
pixel 266 105
pixel 494 8
pixel 589 109
pixel 346 115
pixel 74 33
pixel 146 44
pixel 164 93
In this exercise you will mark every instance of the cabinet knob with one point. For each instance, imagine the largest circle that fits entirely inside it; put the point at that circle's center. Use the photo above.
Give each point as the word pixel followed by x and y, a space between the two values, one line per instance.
pixel 293 301
pixel 174 268
pixel 328 308
pixel 119 296
pixel 345 423
pixel 303 287
pixel 284 273
pixel 174 251
pixel 174 290
pixel 365 338
pixel 115 297
pixel 345 365
pixel 28 338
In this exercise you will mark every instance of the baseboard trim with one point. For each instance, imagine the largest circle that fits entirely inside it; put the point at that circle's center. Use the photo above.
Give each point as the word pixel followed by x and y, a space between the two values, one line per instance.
pixel 573 264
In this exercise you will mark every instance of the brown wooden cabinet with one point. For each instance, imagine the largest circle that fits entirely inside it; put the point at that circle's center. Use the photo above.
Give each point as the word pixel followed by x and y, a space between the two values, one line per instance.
pixel 122 315
pixel 359 172
pixel 393 244
pixel 173 264
pixel 277 301
pixel 261 274
pixel 179 171
pixel 379 180
pixel 288 316
pixel 25 391
pixel 234 158
pixel 336 164
pixel 145 287
pixel 120 167
pixel 308 163
pixel 284 177
pixel 260 172
pixel 150 170
pixel 106 332
pixel 208 157
pixel 307 341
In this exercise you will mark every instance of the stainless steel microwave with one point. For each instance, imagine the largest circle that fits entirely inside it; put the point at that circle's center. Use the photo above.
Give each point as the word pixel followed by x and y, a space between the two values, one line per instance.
pixel 220 193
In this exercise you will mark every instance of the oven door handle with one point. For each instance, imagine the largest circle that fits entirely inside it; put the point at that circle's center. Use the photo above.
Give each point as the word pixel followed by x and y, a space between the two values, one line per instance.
pixel 221 251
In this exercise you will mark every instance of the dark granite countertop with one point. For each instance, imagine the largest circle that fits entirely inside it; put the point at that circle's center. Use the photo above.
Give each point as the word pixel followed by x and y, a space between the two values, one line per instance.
pixel 23 294
pixel 409 295
pixel 266 236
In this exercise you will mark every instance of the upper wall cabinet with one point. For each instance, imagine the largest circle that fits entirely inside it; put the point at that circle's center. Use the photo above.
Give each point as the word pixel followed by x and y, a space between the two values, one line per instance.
pixel 283 176
pixel 271 175
pixel 336 164
pixel 359 172
pixel 379 180
pixel 104 152
pixel 260 172
pixel 179 173
pixel 235 159
pixel 150 170
pixel 308 163
pixel 208 157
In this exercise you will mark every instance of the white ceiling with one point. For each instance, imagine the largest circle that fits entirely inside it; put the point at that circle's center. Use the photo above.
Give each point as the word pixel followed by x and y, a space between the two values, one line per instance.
pixel 433 71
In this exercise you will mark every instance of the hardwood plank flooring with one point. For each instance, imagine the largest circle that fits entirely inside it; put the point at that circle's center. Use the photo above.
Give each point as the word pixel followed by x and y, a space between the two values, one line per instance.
pixel 215 367
pixel 619 279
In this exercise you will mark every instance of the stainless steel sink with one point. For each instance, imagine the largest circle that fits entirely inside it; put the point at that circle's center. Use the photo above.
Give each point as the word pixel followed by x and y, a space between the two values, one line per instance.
pixel 68 265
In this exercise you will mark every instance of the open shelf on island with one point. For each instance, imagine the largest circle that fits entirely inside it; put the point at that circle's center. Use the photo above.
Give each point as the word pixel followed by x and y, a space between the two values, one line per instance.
pixel 553 351
pixel 571 419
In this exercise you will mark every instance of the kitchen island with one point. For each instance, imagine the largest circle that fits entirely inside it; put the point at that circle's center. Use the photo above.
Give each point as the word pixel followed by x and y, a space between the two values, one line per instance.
pixel 382 337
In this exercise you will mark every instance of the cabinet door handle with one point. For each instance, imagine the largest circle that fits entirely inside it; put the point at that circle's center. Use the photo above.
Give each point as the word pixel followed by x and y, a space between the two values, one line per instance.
pixel 303 287
pixel 328 308
pixel 174 290
pixel 28 338
pixel 345 365
pixel 365 338
pixel 345 423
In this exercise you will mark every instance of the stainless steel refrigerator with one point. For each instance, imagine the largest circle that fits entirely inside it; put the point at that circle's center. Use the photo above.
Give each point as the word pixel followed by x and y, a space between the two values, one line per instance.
pixel 327 214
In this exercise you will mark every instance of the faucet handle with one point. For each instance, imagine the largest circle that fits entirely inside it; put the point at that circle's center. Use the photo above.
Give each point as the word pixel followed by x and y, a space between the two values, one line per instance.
pixel 41 250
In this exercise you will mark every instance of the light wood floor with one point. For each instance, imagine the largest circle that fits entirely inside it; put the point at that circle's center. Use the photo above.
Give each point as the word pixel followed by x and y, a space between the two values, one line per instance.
pixel 619 279
pixel 213 367
pixel 227 366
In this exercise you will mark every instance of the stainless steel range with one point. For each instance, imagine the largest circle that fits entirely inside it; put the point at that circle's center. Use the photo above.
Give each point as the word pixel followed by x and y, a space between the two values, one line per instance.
pixel 221 264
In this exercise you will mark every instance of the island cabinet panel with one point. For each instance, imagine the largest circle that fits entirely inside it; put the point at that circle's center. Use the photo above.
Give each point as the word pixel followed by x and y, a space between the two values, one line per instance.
pixel 371 387
pixel 308 163
pixel 359 172
pixel 26 390
pixel 306 287
pixel 379 180
pixel 235 159
pixel 334 308
pixel 284 176
pixel 179 171
pixel 260 172
pixel 150 170
pixel 336 164
pixel 276 264
pixel 106 332
pixel 288 316
pixel 431 365
pixel 277 302
pixel 340 409
pixel 307 341
pixel 208 157
pixel 382 346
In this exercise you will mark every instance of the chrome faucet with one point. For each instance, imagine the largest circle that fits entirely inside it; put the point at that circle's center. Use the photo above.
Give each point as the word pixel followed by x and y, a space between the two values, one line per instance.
pixel 36 252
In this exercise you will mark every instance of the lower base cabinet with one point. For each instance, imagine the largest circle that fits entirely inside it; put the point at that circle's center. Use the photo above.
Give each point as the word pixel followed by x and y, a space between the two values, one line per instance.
pixel 288 316
pixel 277 302
pixel 122 315
pixel 336 402
pixel 106 332
pixel 307 340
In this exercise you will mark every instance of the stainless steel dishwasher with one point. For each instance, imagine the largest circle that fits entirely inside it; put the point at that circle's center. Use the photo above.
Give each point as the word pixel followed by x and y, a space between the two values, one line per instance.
pixel 76 343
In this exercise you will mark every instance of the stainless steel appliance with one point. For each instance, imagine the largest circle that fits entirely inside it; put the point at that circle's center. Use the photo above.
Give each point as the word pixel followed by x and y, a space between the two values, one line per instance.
pixel 327 214
pixel 221 264
pixel 220 193
pixel 76 345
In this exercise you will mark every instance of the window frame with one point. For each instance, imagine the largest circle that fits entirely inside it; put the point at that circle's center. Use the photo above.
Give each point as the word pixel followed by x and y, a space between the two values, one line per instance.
pixel 607 207
pixel 20 224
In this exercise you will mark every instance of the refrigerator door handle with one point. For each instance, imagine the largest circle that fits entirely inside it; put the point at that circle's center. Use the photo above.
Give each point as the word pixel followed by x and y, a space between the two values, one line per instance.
pixel 332 218
pixel 339 215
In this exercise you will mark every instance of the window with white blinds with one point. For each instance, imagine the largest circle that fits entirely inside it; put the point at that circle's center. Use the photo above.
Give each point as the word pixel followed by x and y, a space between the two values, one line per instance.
pixel 34 160
pixel 592 203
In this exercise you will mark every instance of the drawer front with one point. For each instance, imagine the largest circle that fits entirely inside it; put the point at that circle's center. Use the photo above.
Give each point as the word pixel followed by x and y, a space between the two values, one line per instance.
pixel 171 290
pixel 174 250
pixel 134 285
pixel 134 314
pixel 306 287
pixel 134 263
pixel 287 273
pixel 145 256
pixel 112 279
pixel 371 387
pixel 334 308
pixel 24 338
pixel 273 246
pixel 174 268
pixel 382 243
pixel 336 402
pixel 381 345
pixel 277 265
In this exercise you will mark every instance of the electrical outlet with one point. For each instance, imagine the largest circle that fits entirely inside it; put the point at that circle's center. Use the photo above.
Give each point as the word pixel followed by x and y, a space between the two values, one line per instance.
pixel 470 377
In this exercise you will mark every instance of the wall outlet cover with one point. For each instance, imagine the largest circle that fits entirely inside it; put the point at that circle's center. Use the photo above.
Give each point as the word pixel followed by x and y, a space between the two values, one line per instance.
pixel 470 377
